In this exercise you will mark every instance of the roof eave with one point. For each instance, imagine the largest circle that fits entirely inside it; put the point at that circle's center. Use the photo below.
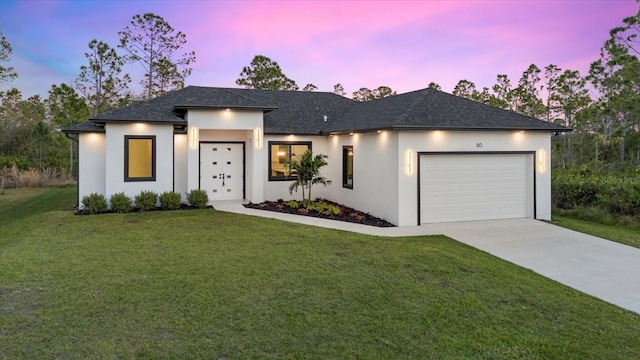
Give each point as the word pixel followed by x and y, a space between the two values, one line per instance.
pixel 219 107
pixel 444 128
pixel 479 128
pixel 83 131
pixel 280 133
pixel 166 122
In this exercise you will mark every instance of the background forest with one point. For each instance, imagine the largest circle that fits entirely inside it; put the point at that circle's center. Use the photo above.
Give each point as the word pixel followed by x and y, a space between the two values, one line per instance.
pixel 601 106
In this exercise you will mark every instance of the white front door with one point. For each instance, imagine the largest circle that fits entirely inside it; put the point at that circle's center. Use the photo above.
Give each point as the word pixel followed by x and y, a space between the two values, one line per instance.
pixel 222 170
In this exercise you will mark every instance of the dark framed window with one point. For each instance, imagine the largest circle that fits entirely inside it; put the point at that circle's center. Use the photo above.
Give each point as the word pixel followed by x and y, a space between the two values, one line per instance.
pixel 280 153
pixel 347 167
pixel 139 158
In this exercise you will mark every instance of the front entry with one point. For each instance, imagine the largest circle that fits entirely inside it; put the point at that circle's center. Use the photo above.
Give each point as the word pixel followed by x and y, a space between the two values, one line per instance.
pixel 222 170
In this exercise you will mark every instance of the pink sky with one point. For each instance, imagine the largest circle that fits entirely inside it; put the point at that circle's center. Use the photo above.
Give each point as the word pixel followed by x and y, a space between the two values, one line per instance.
pixel 401 44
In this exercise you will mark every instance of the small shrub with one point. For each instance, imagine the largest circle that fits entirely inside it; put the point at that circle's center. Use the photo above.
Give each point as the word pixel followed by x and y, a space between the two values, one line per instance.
pixel 315 206
pixel 198 198
pixel 333 210
pixel 170 200
pixel 94 203
pixel 120 203
pixel 146 200
pixel 293 204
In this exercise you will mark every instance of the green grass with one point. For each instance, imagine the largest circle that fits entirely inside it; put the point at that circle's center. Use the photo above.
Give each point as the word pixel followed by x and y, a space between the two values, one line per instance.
pixel 617 233
pixel 211 285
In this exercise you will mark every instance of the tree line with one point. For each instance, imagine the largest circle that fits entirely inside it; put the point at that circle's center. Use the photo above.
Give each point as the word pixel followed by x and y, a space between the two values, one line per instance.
pixel 601 106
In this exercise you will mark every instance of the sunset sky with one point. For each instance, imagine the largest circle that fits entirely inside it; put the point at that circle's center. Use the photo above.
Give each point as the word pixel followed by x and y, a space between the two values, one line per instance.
pixel 401 44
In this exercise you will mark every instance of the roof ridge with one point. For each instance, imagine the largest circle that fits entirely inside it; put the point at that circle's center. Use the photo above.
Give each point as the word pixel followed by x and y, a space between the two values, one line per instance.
pixel 424 93
pixel 351 106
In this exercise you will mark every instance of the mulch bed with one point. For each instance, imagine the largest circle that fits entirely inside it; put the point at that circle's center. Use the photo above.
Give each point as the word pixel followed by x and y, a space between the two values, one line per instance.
pixel 347 214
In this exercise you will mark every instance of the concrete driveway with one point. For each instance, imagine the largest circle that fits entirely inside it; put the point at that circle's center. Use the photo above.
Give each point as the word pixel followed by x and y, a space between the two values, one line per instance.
pixel 598 267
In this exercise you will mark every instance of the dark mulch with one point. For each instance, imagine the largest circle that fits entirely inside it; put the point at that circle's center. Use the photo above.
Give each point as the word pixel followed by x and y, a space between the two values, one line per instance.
pixel 347 214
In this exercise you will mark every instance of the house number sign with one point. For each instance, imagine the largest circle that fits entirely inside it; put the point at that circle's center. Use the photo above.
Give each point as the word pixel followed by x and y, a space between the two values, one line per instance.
pixel 479 145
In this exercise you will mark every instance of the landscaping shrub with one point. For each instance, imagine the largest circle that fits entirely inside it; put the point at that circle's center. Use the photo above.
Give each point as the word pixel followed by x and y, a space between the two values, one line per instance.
pixel 146 200
pixel 293 204
pixel 94 203
pixel 570 190
pixel 621 200
pixel 325 208
pixel 120 203
pixel 587 193
pixel 198 198
pixel 170 200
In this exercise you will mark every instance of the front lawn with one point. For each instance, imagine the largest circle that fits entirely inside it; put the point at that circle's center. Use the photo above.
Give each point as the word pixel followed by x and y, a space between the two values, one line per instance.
pixel 214 285
pixel 615 233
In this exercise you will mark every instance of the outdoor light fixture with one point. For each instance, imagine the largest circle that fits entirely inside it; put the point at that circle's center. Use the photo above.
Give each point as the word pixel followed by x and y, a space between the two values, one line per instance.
pixel 542 162
pixel 194 137
pixel 409 162
pixel 257 134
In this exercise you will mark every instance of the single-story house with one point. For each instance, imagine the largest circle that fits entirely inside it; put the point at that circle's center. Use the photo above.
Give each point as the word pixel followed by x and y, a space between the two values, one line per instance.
pixel 420 157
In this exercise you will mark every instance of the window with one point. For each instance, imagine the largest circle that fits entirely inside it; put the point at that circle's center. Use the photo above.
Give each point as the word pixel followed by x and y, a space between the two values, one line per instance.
pixel 139 158
pixel 279 155
pixel 347 167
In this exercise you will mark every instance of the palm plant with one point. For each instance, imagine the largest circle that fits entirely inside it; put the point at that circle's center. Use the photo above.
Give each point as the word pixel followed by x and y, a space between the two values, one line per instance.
pixel 307 170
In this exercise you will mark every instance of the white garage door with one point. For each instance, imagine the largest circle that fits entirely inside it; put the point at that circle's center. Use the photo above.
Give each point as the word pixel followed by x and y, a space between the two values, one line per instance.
pixel 475 187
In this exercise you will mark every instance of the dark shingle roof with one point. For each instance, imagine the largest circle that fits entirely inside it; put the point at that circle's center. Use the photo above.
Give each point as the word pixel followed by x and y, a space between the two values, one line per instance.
pixel 298 112
pixel 166 108
pixel 87 126
pixel 433 109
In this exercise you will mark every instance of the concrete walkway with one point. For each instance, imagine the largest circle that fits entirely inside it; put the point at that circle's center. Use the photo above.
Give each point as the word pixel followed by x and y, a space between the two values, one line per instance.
pixel 595 266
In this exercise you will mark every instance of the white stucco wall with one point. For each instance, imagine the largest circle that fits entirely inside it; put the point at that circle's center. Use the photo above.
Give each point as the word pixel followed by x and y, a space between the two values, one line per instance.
pixel 180 165
pixel 279 189
pixel 233 126
pixel 92 159
pixel 383 185
pixel 115 161
pixel 471 141
pixel 375 173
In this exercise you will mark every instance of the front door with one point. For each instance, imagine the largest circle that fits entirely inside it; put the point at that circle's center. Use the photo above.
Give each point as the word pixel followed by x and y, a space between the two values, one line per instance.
pixel 222 170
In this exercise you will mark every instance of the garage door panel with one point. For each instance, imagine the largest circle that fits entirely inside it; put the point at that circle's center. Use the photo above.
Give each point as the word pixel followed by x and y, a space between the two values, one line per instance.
pixel 475 187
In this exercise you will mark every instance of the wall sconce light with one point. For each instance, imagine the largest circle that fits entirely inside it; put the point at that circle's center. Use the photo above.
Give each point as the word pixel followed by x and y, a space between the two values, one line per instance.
pixel 257 134
pixel 194 137
pixel 281 153
pixel 542 162
pixel 409 162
